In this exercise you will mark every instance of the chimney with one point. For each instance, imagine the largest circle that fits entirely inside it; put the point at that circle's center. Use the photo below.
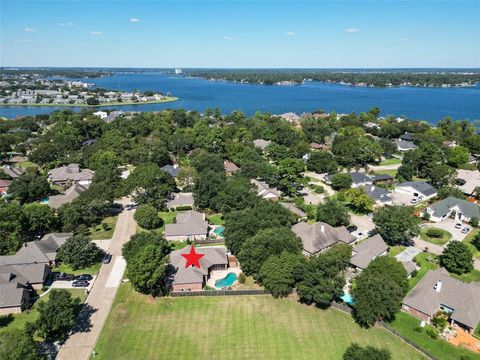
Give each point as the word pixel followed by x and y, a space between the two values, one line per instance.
pixel 322 228
pixel 438 286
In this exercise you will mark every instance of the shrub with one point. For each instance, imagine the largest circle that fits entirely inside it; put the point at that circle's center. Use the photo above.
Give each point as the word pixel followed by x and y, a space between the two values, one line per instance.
pixel 105 226
pixel 474 222
pixel 432 332
pixel 418 329
pixel 319 189
pixel 184 208
pixel 434 233
pixel 439 322
pixel 147 217
pixel 476 241
pixel 242 278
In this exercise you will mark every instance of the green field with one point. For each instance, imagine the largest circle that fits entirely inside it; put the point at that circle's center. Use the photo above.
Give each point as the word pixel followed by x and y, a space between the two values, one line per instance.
pixel 243 327
pixel 390 161
pixel 468 241
pixel 446 236
pixel 92 270
pixel 98 233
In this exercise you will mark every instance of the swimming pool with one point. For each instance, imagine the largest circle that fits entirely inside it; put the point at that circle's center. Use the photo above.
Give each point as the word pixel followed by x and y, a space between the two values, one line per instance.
pixel 219 231
pixel 347 298
pixel 226 281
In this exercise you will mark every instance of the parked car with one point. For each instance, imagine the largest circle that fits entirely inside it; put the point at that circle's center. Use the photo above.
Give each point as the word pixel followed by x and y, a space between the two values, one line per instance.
pixel 106 259
pixel 80 283
pixel 352 228
pixel 84 277
pixel 372 232
pixel 359 235
pixel 458 225
pixel 465 230
pixel 65 277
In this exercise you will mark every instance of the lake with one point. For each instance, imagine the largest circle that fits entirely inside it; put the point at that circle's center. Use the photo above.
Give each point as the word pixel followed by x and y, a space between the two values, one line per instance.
pixel 429 104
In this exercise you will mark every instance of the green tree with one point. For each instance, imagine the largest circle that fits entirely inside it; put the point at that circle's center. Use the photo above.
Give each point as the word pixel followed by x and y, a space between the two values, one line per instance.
pixel 359 200
pixel 56 315
pixel 322 162
pixel 396 224
pixel 140 240
pixel 237 194
pixel 333 212
pixel 277 273
pixel 208 185
pixel 457 258
pixel 357 352
pixel 13 228
pixel 256 250
pixel 440 175
pixel 40 218
pixel 147 269
pixel 29 188
pixel 15 344
pixel 476 241
pixel 447 191
pixel 379 290
pixel 457 156
pixel 79 252
pixel 341 181
pixel 405 173
pixel 147 217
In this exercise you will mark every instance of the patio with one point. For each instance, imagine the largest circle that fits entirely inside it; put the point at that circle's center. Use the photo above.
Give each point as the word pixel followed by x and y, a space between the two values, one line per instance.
pixel 464 339
pixel 220 274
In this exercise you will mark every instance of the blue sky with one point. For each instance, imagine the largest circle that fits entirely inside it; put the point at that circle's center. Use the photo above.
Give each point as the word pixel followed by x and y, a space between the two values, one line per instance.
pixel 360 34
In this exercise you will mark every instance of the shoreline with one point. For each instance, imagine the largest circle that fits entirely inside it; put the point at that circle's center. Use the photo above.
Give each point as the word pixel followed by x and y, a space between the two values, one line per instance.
pixel 166 100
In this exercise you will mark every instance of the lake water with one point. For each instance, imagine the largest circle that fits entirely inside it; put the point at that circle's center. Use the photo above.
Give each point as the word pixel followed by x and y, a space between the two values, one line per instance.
pixel 429 104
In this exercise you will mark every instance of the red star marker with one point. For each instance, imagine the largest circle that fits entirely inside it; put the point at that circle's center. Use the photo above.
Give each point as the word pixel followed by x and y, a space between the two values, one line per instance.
pixel 193 258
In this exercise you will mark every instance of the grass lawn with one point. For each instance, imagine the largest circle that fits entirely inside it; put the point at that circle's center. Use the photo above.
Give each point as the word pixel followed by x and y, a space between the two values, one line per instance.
pixel 392 172
pixel 446 236
pixel 231 327
pixel 425 261
pixel 405 324
pixel 67 269
pixel 168 217
pixel 468 241
pixel 391 161
pixel 31 315
pixel 216 219
pixel 474 275
pixel 98 233
pixel 395 250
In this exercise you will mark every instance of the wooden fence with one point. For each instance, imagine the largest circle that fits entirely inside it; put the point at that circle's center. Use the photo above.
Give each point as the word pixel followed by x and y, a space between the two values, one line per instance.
pixel 219 292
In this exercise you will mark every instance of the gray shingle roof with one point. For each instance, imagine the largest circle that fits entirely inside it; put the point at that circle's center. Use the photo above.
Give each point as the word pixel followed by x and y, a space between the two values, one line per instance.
pixel 171 169
pixel 261 144
pixel 382 177
pixel 181 199
pixel 357 178
pixel 293 209
pixel 12 295
pixel 459 296
pixel 70 172
pixel 405 144
pixel 377 193
pixel 189 224
pixel 367 250
pixel 444 206
pixel 12 171
pixel 421 187
pixel 319 236
pixel 71 194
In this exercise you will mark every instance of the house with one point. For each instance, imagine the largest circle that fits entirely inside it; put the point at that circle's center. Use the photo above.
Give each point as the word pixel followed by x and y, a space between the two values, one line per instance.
pixel 379 194
pixel 406 136
pixel 181 200
pixel 367 250
pixel 12 171
pixel 417 189
pixel 261 144
pixel 461 210
pixel 193 278
pixel 371 125
pixel 291 117
pixel 30 275
pixel 15 159
pixel 294 210
pixel 69 174
pixel 230 167
pixel 404 145
pixel 189 225
pixel 14 296
pixel 171 169
pixel 56 201
pixel 4 185
pixel 468 180
pixel 316 146
pixel 264 191
pixel 43 251
pixel 101 114
pixel 438 291
pixel 320 236
pixel 358 179
pixel 382 179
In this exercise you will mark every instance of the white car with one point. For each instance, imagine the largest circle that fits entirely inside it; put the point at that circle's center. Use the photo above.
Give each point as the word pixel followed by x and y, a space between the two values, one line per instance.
pixel 359 235
pixel 465 230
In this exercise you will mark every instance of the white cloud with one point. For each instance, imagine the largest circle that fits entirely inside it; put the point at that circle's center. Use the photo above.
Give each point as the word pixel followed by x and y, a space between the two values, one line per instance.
pixel 29 29
pixel 352 30
pixel 290 33
pixel 135 20
pixel 227 38
pixel 96 33
pixel 62 24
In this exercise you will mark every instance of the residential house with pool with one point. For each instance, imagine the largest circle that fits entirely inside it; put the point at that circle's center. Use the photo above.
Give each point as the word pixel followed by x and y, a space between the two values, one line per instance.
pixel 189 225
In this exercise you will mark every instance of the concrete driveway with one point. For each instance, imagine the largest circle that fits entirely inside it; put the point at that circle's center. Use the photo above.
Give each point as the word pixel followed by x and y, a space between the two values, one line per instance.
pixel 363 222
pixel 449 225
pixel 408 254
pixel 80 344
pixel 68 285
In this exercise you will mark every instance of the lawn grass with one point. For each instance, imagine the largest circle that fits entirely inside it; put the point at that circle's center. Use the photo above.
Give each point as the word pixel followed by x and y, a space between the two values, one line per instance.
pixel 395 250
pixel 425 262
pixel 98 233
pixel 232 327
pixel 168 217
pixel 474 275
pixel 468 241
pixel 391 161
pixel 216 219
pixel 441 349
pixel 30 315
pixel 92 270
pixel 391 172
pixel 446 236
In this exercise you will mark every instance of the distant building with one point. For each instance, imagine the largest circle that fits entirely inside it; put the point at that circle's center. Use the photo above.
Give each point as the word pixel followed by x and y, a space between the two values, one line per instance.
pixel 264 191
pixel 4 186
pixel 56 201
pixel 404 145
pixel 417 189
pixel 13 172
pixel 461 210
pixel 171 169
pixel 70 174
pixel 180 200
pixel 468 181
pixel 101 114
pixel 294 210
pixel 291 117
pixel 261 144
pixel 230 167
pixel 367 250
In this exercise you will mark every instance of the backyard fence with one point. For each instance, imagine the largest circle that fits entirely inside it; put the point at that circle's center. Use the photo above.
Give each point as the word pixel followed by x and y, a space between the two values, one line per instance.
pixel 209 241
pixel 219 292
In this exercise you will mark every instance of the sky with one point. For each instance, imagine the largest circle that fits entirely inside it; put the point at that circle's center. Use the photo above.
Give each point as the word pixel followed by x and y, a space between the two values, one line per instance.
pixel 240 34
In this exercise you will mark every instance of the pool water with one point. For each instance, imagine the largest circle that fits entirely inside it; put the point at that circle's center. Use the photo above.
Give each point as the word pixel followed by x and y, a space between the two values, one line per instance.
pixel 226 281
pixel 347 298
pixel 219 231
pixel 44 201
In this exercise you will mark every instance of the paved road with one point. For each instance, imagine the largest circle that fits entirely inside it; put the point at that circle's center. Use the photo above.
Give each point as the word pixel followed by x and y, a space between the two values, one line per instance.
pixel 80 344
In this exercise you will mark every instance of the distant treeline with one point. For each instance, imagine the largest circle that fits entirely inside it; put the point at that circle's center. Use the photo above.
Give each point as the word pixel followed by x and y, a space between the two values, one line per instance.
pixel 63 72
pixel 379 79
